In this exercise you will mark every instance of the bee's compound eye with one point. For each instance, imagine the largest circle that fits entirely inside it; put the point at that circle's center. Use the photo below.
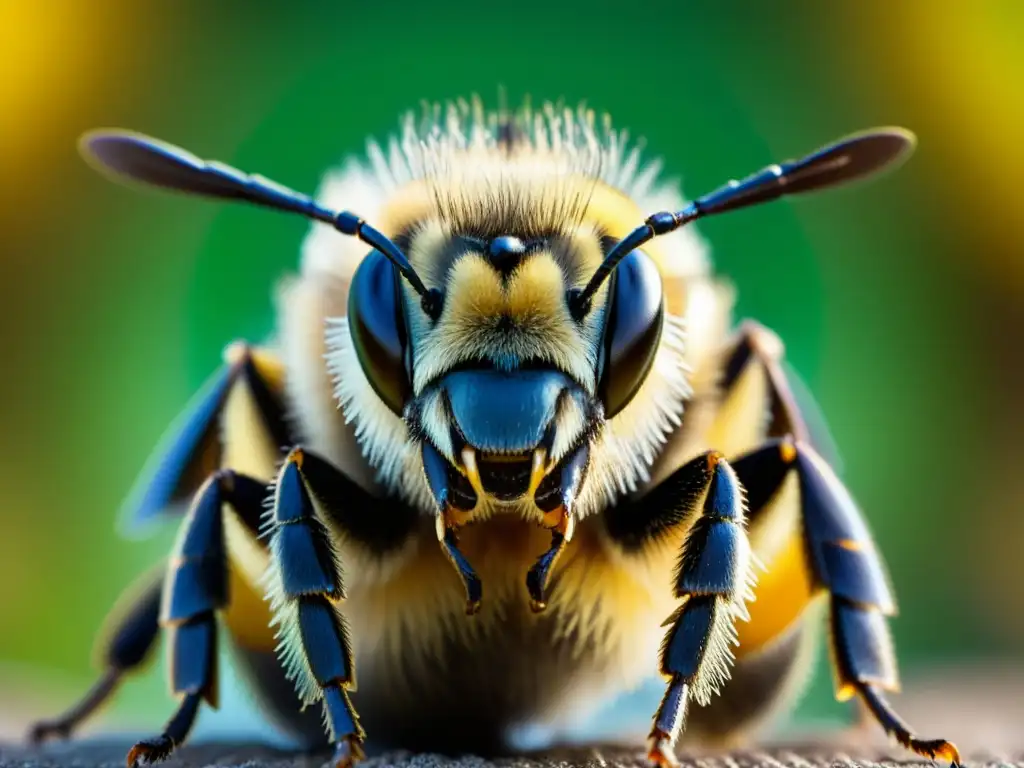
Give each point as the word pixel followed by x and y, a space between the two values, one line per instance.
pixel 377 325
pixel 635 312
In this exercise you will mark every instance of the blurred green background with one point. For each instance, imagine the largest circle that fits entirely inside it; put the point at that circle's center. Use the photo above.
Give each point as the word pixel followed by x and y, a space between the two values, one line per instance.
pixel 900 302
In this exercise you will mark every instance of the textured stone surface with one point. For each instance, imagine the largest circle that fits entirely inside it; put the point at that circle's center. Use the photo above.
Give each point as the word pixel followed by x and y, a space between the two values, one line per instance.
pixel 110 754
pixel 980 709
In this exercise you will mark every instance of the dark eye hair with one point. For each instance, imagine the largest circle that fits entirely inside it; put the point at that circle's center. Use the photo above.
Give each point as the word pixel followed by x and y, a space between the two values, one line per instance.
pixel 634 314
pixel 378 327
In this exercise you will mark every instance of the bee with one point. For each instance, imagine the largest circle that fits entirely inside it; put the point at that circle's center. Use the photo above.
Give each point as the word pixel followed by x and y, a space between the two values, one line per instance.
pixel 507 455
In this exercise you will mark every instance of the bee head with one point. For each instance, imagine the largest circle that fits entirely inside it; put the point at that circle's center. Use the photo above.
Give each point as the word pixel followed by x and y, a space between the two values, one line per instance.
pixel 506 385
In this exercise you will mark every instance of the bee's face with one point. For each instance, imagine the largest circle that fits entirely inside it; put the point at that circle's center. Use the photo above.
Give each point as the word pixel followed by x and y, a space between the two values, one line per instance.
pixel 506 387
pixel 490 354
pixel 505 379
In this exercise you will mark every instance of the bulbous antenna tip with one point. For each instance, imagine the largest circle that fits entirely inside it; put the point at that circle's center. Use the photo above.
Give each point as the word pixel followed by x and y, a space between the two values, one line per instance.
pixel 132 158
pixel 97 149
pixel 882 148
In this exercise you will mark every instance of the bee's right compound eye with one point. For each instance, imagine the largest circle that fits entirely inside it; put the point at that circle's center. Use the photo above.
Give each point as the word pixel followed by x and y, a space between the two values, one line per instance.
pixel 377 324
pixel 635 313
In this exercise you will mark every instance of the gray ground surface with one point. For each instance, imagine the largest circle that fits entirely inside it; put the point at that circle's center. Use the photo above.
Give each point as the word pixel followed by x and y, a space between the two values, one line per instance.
pixel 111 754
pixel 981 710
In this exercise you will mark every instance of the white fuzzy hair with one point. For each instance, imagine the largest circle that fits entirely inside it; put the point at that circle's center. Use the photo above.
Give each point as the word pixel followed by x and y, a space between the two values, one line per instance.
pixel 425 147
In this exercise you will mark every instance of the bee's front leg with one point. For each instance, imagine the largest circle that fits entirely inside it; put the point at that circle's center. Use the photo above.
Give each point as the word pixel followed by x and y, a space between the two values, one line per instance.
pixel 305 583
pixel 714 579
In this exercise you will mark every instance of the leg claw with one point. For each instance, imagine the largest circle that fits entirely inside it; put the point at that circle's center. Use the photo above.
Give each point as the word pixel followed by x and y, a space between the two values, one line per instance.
pixel 659 750
pixel 348 752
pixel 150 751
pixel 936 749
pixel 48 729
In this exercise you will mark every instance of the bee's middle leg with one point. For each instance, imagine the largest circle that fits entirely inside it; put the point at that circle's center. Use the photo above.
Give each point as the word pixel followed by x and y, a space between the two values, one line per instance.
pixel 714 578
pixel 305 583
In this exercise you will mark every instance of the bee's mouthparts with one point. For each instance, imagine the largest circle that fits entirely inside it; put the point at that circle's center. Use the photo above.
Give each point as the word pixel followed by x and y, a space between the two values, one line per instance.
pixel 458 490
pixel 505 476
pixel 505 435
pixel 509 436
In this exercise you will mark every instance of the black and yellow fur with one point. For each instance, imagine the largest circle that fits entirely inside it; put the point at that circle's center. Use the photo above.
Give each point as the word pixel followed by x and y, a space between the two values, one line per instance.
pixel 299 415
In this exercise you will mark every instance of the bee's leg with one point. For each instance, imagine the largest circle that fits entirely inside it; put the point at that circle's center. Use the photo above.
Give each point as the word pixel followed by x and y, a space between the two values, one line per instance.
pixel 305 582
pixel 126 645
pixel 714 579
pixel 845 562
pixel 196 587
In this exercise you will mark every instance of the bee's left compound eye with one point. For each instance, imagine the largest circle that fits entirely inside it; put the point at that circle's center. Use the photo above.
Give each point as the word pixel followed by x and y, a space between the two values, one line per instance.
pixel 377 324
pixel 632 329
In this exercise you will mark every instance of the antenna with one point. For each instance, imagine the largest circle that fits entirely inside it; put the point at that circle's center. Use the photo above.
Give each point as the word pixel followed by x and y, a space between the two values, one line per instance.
pixel 129 156
pixel 853 157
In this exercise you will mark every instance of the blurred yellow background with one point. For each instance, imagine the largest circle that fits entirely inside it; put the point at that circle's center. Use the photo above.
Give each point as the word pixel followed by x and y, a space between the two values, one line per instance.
pixel 900 302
